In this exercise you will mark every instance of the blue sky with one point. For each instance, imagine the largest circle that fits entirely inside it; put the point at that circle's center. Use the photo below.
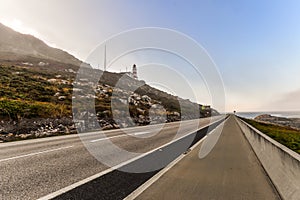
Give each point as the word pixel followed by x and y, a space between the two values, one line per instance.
pixel 255 44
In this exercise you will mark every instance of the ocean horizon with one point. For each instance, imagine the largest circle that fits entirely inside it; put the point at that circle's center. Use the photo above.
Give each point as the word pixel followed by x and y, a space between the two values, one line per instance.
pixel 287 114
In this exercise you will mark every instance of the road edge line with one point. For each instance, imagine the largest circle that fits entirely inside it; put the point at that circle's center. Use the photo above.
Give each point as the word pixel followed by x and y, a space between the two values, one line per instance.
pixel 157 176
pixel 74 185
pixel 88 179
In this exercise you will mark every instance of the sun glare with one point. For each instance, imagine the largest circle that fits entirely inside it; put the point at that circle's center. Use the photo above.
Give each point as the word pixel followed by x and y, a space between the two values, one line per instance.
pixel 19 26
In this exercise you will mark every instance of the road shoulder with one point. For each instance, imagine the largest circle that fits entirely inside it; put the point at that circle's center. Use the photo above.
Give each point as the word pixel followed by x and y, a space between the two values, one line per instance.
pixel 230 171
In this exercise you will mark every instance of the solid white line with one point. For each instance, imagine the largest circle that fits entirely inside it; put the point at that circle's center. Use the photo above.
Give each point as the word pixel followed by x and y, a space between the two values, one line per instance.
pixel 148 183
pixel 33 154
pixel 152 180
pixel 74 185
pixel 68 188
pixel 15 143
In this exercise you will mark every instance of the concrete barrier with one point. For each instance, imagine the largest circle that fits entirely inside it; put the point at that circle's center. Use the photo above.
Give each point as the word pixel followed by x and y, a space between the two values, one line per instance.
pixel 281 164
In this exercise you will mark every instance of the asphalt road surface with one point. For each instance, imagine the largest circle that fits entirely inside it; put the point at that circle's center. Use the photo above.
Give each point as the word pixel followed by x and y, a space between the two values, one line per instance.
pixel 34 168
pixel 230 171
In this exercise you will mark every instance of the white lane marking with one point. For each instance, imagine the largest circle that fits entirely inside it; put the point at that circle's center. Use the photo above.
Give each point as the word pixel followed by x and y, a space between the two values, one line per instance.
pixel 131 134
pixel 75 185
pixel 107 138
pixel 141 133
pixel 165 125
pixel 152 180
pixel 137 133
pixel 36 153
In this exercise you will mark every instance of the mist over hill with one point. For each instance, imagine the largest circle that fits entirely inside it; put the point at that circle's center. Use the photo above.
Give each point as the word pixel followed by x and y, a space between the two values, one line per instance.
pixel 16 46
pixel 37 90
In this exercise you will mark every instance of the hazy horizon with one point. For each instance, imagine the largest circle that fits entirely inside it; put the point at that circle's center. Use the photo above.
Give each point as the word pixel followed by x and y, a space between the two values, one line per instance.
pixel 255 45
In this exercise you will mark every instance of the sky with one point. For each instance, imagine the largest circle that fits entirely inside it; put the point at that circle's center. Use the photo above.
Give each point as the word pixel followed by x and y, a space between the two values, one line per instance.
pixel 255 44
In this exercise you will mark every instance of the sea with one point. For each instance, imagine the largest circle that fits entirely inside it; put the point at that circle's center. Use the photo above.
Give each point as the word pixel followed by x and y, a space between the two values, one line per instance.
pixel 286 114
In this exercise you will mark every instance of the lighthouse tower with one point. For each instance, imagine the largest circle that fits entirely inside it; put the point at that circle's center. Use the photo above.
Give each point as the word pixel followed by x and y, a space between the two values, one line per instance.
pixel 134 72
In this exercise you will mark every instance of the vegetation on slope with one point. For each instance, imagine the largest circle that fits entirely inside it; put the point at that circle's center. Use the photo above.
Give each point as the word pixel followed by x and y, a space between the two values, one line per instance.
pixel 36 101
pixel 19 109
pixel 26 93
pixel 285 135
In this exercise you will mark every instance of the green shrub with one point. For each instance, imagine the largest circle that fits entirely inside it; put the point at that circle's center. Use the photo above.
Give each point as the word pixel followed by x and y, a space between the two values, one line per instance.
pixel 18 109
pixel 284 135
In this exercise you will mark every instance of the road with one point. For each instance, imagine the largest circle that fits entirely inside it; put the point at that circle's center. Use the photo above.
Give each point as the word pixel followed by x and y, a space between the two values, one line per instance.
pixel 34 168
pixel 230 171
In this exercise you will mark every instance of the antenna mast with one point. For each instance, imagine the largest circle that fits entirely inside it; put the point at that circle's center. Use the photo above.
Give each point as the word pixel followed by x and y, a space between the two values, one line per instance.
pixel 105 57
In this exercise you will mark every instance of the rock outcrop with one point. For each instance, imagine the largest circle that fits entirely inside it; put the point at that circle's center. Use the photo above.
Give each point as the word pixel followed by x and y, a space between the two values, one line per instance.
pixel 290 122
pixel 35 128
pixel 37 90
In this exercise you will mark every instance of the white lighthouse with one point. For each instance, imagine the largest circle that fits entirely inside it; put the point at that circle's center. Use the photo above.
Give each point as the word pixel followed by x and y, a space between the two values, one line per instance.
pixel 134 72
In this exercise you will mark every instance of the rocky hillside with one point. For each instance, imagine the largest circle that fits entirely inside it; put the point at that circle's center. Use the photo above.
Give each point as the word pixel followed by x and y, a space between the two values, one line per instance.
pixel 37 86
pixel 290 122
pixel 15 46
pixel 37 103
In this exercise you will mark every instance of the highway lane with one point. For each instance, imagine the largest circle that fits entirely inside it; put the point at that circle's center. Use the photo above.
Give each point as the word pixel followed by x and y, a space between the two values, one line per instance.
pixel 230 171
pixel 31 169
